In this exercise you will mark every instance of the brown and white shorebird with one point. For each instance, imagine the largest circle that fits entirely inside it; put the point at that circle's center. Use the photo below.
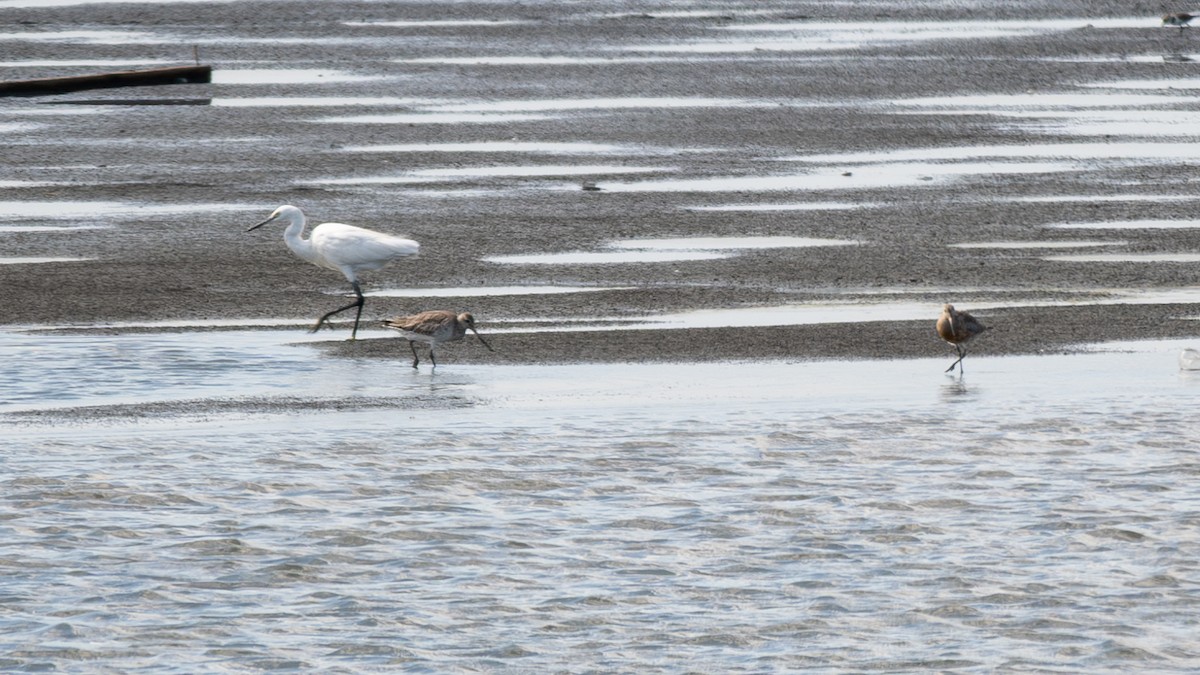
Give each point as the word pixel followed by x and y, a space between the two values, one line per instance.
pixel 433 328
pixel 958 328
pixel 1180 19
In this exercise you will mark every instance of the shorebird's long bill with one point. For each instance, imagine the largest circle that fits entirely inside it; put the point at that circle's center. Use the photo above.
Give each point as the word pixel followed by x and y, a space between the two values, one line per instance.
pixel 485 342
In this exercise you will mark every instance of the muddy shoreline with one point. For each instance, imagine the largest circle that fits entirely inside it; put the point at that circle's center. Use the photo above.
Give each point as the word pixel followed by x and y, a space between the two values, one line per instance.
pixel 148 263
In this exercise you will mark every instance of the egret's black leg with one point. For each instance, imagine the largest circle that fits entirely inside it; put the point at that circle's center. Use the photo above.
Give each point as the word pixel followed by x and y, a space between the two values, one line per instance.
pixel 357 315
pixel 359 301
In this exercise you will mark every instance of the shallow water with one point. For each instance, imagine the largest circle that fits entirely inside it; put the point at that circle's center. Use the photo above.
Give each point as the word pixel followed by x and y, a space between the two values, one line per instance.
pixel 1128 225
pixel 488 291
pixel 1038 244
pixel 887 174
pixel 821 36
pixel 980 102
pixel 50 228
pixel 1035 513
pixel 89 210
pixel 98 37
pixel 229 500
pixel 34 260
pixel 677 249
pixel 435 118
pixel 800 206
pixel 1126 257
pixel 286 76
pixel 579 148
pixel 435 24
pixel 312 101
pixel 607 257
pixel 1106 150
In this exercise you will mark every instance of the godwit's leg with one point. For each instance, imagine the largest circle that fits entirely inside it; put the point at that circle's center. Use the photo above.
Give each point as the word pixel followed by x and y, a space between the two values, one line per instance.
pixel 416 360
pixel 359 301
pixel 961 353
pixel 431 357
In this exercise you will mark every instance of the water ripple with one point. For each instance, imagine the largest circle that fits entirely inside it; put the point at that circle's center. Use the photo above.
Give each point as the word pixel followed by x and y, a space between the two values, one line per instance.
pixel 1032 528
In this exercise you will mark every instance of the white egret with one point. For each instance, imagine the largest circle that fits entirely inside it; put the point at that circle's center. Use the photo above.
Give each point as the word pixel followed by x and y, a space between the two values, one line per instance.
pixel 958 328
pixel 434 327
pixel 345 248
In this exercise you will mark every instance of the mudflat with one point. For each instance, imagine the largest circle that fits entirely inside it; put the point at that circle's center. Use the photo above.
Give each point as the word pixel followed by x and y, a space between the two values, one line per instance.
pixel 698 180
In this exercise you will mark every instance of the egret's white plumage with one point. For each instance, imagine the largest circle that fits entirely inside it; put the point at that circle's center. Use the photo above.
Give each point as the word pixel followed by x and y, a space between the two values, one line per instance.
pixel 433 328
pixel 344 248
pixel 958 328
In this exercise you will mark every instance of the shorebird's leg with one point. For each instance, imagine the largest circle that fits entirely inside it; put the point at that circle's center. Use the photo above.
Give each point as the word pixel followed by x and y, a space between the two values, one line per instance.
pixel 961 353
pixel 416 360
pixel 431 357
pixel 357 315
pixel 359 301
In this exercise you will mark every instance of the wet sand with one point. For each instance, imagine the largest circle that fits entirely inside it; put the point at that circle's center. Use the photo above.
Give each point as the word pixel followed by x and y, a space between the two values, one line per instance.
pixel 207 145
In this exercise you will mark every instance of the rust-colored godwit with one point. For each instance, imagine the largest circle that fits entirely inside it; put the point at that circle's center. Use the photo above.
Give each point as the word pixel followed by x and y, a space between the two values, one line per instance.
pixel 1180 19
pixel 958 328
pixel 433 328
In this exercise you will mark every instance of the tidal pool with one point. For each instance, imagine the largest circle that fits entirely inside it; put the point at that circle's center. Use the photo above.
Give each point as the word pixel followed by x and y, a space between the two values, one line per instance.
pixel 799 206
pixel 51 228
pixel 434 118
pixel 606 257
pixel 1082 243
pixel 489 291
pixel 34 260
pixel 65 210
pixel 1126 257
pixel 532 147
pixel 833 36
pixel 1150 224
pixel 252 76
pixel 666 250
pixel 860 177
pixel 513 171
pixel 312 101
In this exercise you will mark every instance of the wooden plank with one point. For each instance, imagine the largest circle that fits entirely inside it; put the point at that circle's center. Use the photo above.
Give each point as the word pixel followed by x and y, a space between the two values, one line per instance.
pixel 126 78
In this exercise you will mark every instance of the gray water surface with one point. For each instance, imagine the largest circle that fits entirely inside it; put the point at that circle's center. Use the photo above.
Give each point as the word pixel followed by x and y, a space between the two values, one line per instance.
pixel 1039 513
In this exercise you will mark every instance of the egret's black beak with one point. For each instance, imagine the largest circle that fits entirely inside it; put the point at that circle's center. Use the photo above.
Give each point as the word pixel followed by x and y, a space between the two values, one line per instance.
pixel 261 224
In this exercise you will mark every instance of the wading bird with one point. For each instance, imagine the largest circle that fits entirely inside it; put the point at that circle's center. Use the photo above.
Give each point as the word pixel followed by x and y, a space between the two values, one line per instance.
pixel 1180 19
pixel 344 248
pixel 958 328
pixel 434 327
